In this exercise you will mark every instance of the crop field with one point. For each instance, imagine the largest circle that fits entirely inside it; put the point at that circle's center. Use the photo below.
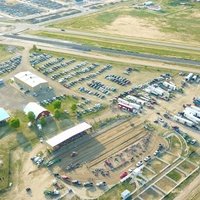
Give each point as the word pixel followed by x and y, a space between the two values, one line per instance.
pixel 173 22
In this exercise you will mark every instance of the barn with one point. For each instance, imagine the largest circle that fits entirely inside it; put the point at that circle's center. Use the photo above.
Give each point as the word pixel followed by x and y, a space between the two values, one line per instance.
pixel 68 135
pixel 38 110
pixel 29 81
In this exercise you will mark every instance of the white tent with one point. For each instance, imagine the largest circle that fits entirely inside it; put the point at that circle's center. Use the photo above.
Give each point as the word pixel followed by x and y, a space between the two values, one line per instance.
pixel 35 108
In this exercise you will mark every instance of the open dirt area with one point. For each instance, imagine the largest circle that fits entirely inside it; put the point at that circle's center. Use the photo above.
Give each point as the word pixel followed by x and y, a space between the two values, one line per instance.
pixel 165 184
pixel 135 27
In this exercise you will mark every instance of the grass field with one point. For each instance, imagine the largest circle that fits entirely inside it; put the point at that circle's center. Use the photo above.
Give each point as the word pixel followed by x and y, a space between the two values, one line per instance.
pixel 4 168
pixel 115 192
pixel 175 175
pixel 5 53
pixel 181 22
pixel 119 45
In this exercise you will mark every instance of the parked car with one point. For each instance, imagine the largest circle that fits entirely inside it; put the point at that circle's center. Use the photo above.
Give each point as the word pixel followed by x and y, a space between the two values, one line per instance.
pixel 123 174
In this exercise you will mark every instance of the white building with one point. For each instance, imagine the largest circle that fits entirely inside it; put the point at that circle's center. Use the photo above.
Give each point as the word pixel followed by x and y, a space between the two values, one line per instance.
pixel 29 81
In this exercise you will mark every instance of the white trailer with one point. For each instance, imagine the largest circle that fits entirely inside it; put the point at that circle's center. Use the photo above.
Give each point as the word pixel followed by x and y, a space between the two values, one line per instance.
pixel 189 77
pixel 156 91
pixel 191 117
pixel 135 100
pixel 183 121
pixel 134 105
pixel 193 111
pixel 196 108
pixel 171 86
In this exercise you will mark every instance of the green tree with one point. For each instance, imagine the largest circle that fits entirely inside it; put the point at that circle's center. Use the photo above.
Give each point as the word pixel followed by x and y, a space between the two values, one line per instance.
pixel 57 104
pixel 34 47
pixel 57 114
pixel 43 121
pixel 14 123
pixel 31 116
pixel 74 107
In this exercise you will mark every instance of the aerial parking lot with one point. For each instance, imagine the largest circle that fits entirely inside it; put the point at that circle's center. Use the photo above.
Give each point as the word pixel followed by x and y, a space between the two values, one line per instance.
pixel 133 143
pixel 100 101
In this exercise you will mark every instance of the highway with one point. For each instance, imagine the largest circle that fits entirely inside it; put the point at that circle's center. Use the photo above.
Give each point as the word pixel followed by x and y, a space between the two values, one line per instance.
pixel 121 39
pixel 86 48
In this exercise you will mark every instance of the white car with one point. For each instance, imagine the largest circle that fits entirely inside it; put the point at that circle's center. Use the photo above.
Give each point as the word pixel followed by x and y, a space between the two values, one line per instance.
pixel 148 158
pixel 140 163
pixel 101 184
pixel 130 170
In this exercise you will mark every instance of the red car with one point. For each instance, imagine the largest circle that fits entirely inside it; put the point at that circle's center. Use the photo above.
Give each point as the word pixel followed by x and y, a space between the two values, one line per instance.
pixel 123 174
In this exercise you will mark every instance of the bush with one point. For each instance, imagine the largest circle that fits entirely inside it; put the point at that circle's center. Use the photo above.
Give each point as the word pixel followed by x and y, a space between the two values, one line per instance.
pixel 57 114
pixel 43 121
pixel 14 123
pixel 57 104
pixel 31 116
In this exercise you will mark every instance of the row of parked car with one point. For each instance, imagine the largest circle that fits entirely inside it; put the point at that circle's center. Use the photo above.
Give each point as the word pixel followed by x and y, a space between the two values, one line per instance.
pixel 93 109
pixel 18 9
pixel 10 64
pixel 61 74
pixel 47 4
pixel 48 101
pixel 118 79
pixel 97 85
pixel 36 58
pixel 88 77
pixel 87 91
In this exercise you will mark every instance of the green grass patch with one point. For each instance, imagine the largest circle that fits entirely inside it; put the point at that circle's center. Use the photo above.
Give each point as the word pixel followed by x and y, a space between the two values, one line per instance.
pixel 175 175
pixel 4 169
pixel 115 192
pixel 7 51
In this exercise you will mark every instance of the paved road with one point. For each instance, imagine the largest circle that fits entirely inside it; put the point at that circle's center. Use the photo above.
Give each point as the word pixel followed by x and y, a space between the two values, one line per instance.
pixel 86 48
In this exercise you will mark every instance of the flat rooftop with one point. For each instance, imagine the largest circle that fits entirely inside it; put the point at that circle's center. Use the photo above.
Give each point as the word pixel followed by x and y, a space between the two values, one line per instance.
pixel 3 114
pixel 67 134
pixel 29 78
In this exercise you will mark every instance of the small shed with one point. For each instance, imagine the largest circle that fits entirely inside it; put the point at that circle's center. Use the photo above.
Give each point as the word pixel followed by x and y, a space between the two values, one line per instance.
pixel 125 194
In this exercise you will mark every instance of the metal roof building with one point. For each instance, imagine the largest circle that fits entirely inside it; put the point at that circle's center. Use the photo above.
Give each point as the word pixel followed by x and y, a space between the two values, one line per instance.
pixel 57 140
pixel 3 115
pixel 38 110
pixel 29 81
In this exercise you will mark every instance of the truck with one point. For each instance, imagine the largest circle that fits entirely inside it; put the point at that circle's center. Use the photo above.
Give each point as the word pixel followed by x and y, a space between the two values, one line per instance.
pixel 189 77
pixel 125 102
pixel 193 110
pixel 191 117
pixel 1 82
pixel 135 100
pixel 170 85
pixel 183 121
pixel 127 107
